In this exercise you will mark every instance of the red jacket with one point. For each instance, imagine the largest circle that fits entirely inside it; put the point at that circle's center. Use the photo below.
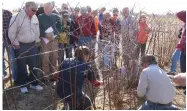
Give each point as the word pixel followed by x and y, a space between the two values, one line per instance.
pixel 87 25
pixel 143 33
pixel 182 44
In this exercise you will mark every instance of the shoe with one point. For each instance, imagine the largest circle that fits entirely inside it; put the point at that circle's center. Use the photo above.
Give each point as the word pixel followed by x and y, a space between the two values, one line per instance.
pixel 6 78
pixel 171 73
pixel 24 90
pixel 37 87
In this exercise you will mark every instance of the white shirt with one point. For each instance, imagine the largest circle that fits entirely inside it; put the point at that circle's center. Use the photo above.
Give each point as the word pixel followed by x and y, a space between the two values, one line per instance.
pixel 23 29
pixel 155 85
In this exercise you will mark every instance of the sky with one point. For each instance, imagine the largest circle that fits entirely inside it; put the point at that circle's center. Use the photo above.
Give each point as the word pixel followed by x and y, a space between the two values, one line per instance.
pixel 149 6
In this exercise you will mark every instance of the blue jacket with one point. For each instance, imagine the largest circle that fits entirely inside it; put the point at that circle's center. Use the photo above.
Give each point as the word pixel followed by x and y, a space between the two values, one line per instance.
pixel 72 78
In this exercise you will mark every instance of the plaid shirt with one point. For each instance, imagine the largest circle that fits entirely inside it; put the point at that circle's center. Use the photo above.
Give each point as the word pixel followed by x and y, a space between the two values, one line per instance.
pixel 6 18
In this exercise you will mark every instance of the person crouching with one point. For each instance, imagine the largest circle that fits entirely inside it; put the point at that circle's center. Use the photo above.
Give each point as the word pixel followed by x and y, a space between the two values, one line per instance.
pixel 75 72
pixel 156 86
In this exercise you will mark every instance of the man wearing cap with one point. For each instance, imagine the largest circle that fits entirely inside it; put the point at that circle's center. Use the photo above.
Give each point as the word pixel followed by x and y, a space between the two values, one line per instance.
pixel 156 86
pixel 64 7
pixel 24 35
pixel 69 29
pixel 50 27
pixel 89 9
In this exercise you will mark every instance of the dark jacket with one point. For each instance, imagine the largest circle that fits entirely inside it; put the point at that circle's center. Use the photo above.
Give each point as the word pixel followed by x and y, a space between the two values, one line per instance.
pixel 182 44
pixel 71 29
pixel 6 21
pixel 40 11
pixel 72 78
pixel 46 21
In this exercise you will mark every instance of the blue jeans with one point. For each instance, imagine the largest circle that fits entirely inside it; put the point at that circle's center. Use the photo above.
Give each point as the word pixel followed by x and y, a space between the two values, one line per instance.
pixel 183 62
pixel 22 75
pixel 13 64
pixel 150 106
pixel 68 50
pixel 85 40
pixel 89 42
pixel 174 60
pixel 107 57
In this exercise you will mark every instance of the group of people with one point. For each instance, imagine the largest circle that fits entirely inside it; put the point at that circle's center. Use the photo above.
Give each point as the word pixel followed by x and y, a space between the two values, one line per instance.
pixel 65 43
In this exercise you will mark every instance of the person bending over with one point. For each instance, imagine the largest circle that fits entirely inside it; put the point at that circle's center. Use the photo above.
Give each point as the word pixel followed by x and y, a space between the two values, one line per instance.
pixel 70 85
pixel 156 86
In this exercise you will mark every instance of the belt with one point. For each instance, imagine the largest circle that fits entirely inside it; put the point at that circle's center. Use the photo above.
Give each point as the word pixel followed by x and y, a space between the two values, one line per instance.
pixel 26 43
pixel 158 104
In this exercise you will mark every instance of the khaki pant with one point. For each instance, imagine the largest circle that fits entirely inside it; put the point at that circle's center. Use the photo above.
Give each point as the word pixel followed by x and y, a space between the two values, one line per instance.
pixel 49 60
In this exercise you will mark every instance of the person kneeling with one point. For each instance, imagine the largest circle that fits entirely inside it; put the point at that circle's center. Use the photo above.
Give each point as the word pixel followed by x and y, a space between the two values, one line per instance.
pixel 75 72
pixel 156 86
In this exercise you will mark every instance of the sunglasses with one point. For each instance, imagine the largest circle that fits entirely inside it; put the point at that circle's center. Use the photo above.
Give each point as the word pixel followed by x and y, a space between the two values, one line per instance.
pixel 34 10
pixel 65 8
pixel 115 15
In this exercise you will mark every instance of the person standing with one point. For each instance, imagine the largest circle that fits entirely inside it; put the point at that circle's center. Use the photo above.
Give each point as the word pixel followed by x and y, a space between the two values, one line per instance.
pixel 182 44
pixel 129 34
pixel 67 37
pixel 87 30
pixel 175 57
pixel 100 17
pixel 143 32
pixel 49 20
pixel 107 38
pixel 7 46
pixel 24 35
pixel 96 20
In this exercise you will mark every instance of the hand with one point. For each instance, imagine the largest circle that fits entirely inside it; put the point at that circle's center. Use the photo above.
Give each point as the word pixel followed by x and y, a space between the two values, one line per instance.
pixel 16 46
pixel 38 44
pixel 49 36
pixel 98 83
pixel 180 79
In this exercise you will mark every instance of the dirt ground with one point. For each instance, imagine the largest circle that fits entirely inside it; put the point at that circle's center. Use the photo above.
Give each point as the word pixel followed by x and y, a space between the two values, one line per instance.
pixel 34 100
